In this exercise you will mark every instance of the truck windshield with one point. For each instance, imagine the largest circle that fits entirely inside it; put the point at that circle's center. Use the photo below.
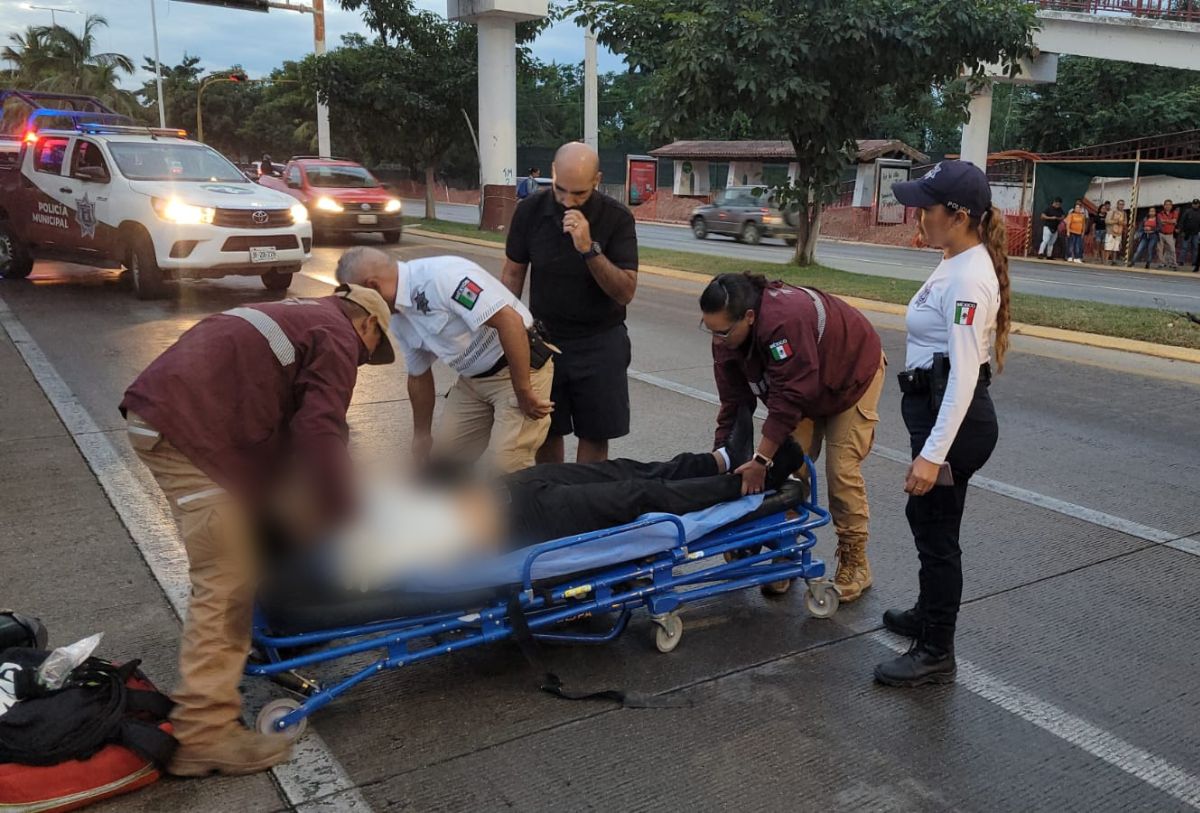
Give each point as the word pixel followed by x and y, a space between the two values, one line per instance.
pixel 154 161
pixel 340 177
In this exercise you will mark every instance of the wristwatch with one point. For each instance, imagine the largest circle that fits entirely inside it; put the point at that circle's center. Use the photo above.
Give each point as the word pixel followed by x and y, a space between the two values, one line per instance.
pixel 763 460
pixel 594 251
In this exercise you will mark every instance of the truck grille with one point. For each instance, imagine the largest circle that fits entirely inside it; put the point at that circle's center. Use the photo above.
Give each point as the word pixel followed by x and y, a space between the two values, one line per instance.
pixel 252 218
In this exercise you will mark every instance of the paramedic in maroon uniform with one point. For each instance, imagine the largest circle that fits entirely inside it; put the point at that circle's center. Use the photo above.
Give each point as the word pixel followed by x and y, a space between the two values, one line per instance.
pixel 817 364
pixel 248 404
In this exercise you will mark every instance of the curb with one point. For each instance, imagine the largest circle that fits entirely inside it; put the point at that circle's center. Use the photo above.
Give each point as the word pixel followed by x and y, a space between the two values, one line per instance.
pixel 1162 351
pixel 1119 268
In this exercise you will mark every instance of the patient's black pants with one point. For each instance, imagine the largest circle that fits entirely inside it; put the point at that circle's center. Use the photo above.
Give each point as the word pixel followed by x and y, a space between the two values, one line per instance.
pixel 561 499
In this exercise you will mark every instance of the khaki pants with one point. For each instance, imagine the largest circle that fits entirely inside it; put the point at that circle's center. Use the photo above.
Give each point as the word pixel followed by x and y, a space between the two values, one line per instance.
pixel 1166 250
pixel 848 438
pixel 480 411
pixel 222 566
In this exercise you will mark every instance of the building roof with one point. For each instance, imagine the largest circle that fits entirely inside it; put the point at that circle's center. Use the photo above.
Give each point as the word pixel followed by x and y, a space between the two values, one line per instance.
pixel 868 150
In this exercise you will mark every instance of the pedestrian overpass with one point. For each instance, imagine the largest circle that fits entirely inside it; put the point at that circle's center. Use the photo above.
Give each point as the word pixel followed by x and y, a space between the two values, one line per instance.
pixel 1148 32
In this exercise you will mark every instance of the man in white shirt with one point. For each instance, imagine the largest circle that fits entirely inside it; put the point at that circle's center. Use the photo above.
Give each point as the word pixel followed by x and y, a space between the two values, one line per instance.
pixel 450 310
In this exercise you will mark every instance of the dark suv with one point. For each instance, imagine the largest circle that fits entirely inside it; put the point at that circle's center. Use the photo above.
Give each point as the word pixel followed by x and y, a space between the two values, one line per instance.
pixel 739 213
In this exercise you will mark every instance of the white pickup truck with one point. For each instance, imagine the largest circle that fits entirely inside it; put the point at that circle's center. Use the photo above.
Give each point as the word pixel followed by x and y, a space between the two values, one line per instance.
pixel 151 200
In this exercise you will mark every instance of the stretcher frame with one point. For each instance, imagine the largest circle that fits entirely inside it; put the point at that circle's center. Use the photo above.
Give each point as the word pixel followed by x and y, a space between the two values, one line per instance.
pixel 758 552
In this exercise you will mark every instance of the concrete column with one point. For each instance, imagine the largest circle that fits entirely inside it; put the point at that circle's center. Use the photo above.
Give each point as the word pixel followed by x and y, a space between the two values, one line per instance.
pixel 591 112
pixel 979 124
pixel 498 100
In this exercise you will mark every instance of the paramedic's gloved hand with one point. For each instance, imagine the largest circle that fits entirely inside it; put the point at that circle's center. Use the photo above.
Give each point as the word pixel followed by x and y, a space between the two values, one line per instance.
pixel 533 407
pixel 754 476
pixel 422 445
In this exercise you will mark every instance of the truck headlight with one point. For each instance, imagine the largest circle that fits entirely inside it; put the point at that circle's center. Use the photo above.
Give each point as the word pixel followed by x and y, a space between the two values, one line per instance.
pixel 392 206
pixel 299 213
pixel 173 210
pixel 327 204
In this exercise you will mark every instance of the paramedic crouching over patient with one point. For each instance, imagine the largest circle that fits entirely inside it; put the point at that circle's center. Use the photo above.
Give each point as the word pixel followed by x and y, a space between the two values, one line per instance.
pixel 245 407
pixel 952 324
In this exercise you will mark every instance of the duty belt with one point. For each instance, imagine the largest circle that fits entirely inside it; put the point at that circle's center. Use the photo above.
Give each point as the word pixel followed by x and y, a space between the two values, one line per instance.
pixel 540 352
pixel 918 381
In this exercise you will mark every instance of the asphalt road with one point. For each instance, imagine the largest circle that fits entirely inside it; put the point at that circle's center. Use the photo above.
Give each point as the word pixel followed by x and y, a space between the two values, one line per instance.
pixel 1178 293
pixel 1079 644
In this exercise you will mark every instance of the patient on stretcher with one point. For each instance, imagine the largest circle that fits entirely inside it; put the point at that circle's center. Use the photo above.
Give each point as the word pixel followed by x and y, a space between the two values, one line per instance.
pixel 403 529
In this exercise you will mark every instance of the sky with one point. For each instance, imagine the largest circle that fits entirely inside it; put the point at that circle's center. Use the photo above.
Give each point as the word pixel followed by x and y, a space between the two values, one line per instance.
pixel 223 37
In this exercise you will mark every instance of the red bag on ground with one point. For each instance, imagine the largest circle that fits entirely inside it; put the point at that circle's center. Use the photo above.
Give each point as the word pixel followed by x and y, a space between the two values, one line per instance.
pixel 114 769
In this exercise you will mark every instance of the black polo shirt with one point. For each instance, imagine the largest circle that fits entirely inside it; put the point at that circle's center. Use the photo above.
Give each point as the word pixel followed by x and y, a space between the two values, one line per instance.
pixel 562 291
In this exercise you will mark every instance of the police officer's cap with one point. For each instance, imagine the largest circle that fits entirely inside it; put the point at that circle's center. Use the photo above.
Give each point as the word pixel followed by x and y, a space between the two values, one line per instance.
pixel 957 185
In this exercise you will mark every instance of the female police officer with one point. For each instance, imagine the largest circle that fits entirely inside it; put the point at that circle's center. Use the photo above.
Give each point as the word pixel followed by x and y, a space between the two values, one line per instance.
pixel 817 364
pixel 951 422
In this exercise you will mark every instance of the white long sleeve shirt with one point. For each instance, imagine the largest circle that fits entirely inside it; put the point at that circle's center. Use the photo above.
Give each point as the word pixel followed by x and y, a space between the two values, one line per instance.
pixel 954 313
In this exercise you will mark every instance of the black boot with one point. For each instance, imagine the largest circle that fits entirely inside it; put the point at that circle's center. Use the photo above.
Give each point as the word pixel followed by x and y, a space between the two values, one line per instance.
pixel 789 457
pixel 930 659
pixel 903 622
pixel 739 446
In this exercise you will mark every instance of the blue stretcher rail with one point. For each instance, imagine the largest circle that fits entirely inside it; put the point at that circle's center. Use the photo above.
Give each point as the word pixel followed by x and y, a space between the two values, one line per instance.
pixel 763 551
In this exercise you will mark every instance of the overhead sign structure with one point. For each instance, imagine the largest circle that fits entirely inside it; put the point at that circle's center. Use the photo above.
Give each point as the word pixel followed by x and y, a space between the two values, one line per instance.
pixel 244 5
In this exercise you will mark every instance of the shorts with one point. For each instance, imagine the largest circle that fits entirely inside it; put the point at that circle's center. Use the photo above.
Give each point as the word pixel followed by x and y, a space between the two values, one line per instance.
pixel 591 386
pixel 1112 242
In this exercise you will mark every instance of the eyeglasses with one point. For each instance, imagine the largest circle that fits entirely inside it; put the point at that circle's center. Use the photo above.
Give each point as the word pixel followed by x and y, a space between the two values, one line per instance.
pixel 720 334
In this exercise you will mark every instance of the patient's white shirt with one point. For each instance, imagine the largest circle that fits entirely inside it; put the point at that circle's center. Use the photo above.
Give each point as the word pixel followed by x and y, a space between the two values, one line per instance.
pixel 400 529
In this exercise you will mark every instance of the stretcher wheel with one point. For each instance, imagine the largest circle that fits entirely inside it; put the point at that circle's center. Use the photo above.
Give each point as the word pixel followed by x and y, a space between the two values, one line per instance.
pixel 821 599
pixel 275 711
pixel 668 632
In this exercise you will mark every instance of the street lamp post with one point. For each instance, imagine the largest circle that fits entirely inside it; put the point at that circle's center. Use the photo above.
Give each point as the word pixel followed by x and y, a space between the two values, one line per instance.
pixel 53 10
pixel 235 77
pixel 162 111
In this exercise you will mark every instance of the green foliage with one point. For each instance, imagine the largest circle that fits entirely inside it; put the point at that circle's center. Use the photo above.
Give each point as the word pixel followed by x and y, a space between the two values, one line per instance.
pixel 1095 101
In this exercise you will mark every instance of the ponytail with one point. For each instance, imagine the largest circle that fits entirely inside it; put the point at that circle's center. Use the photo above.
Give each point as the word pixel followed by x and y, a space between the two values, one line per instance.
pixel 995 239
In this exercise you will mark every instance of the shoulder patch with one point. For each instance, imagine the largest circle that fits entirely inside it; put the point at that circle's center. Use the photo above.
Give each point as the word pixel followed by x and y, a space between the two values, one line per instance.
pixel 467 293
pixel 780 350
pixel 964 312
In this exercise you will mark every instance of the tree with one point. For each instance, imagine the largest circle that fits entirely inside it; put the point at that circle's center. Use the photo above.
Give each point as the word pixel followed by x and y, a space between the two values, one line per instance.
pixel 403 100
pixel 814 72
pixel 55 59
pixel 1095 101
pixel 179 92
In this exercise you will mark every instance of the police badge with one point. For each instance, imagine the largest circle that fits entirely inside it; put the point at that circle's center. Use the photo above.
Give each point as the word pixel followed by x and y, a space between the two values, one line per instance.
pixel 85 214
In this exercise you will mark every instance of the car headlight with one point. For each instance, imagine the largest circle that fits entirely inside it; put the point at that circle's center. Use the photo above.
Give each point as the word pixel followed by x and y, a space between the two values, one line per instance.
pixel 392 206
pixel 173 210
pixel 326 204
pixel 299 213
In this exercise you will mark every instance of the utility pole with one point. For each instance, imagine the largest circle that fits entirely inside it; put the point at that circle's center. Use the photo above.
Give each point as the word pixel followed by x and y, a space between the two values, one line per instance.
pixel 162 111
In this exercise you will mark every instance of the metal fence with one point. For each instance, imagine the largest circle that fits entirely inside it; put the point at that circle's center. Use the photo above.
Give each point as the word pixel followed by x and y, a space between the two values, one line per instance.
pixel 1181 10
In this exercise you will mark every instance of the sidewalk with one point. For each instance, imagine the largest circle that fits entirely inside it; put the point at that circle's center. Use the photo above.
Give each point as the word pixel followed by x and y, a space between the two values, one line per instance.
pixel 69 560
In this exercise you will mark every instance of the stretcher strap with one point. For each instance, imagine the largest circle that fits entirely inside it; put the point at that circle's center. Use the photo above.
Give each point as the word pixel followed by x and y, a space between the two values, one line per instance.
pixel 551 683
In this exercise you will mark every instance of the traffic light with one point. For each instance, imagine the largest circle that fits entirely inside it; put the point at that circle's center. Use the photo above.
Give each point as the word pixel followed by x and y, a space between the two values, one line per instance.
pixel 244 5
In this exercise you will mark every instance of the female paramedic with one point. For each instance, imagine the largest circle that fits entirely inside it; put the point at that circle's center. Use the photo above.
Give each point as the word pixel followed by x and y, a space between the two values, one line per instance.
pixel 817 364
pixel 951 422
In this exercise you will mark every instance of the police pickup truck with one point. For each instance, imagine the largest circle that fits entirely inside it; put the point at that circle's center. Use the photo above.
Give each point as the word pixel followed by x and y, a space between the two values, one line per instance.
pixel 151 200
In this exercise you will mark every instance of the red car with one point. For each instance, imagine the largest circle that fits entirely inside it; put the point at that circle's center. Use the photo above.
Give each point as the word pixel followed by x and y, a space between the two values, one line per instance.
pixel 341 196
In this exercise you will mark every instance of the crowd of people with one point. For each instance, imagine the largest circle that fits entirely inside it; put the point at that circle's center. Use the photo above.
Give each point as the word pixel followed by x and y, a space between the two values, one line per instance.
pixel 1165 235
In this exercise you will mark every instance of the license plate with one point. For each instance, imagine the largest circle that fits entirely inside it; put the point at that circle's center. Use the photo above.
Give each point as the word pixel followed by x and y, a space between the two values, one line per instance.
pixel 368 220
pixel 262 254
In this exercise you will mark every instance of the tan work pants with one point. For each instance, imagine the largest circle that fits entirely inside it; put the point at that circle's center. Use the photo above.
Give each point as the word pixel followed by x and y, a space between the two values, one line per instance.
pixel 848 437
pixel 222 566
pixel 483 411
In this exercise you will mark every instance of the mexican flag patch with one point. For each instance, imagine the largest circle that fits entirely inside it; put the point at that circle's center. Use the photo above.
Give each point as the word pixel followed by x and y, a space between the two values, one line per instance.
pixel 780 350
pixel 467 293
pixel 964 313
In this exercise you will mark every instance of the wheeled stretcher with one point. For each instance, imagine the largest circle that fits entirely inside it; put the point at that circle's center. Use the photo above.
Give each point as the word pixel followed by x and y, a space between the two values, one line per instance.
pixel 659 561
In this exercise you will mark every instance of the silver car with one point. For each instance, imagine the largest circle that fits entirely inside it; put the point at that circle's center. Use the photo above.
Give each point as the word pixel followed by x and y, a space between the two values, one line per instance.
pixel 747 218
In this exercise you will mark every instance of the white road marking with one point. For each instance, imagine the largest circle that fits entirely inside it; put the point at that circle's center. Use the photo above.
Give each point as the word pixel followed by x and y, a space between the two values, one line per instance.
pixel 1090 515
pixel 1125 756
pixel 313 774
pixel 1137 762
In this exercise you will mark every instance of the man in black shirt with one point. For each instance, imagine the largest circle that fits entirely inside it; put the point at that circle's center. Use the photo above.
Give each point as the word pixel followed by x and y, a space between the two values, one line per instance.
pixel 1053 215
pixel 583 249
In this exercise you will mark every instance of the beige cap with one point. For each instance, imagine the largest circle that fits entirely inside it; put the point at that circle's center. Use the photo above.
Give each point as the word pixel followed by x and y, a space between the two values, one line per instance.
pixel 370 301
